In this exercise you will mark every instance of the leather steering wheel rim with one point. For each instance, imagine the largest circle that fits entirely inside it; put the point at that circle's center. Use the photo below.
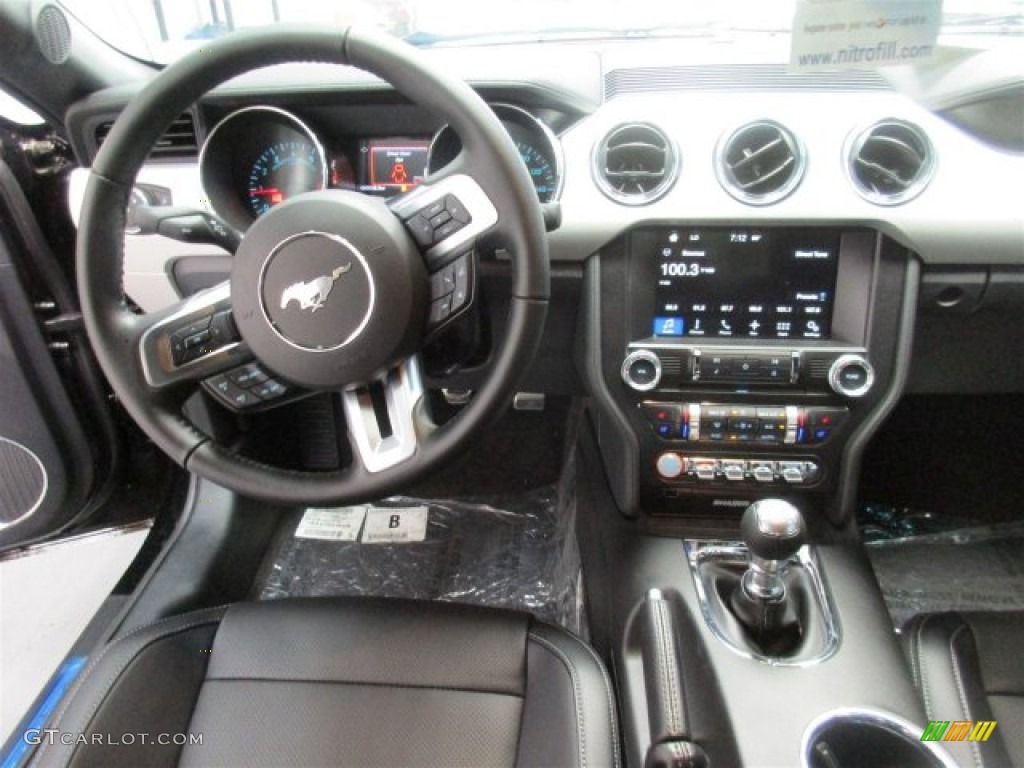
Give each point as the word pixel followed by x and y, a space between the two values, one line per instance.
pixel 115 330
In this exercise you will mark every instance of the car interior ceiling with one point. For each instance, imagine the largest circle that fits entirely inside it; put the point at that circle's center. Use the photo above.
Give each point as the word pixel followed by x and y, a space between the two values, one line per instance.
pixel 739 438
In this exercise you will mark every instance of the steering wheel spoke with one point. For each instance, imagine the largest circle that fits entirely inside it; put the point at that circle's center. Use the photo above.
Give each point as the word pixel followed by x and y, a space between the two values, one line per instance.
pixel 192 341
pixel 387 417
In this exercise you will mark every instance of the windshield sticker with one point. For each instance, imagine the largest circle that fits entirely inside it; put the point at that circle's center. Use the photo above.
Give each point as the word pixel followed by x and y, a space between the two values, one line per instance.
pixel 333 524
pixel 863 34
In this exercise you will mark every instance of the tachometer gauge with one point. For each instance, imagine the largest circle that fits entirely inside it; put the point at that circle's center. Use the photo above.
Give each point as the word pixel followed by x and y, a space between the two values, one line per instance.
pixel 282 170
pixel 257 157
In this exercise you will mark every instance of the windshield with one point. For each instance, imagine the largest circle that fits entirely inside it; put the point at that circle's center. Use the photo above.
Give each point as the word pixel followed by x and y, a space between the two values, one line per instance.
pixel 163 30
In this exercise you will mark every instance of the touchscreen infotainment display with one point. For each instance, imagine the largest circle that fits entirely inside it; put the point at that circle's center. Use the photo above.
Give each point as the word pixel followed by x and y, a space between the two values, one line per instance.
pixel 724 282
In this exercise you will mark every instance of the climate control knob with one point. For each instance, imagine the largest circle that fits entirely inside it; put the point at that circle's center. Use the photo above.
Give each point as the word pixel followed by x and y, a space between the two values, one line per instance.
pixel 641 370
pixel 851 376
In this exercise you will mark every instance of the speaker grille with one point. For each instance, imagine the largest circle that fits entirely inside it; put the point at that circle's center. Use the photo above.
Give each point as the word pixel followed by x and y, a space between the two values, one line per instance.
pixel 22 482
pixel 53 34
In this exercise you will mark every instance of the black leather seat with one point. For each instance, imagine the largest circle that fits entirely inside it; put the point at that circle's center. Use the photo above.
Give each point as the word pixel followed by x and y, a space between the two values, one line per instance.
pixel 360 682
pixel 970 666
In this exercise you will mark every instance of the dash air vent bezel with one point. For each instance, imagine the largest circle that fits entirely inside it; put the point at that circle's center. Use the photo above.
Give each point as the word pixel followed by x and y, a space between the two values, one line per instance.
pixel 731 184
pixel 600 169
pixel 922 177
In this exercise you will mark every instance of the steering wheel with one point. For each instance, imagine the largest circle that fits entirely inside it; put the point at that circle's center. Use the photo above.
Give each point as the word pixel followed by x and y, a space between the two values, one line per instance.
pixel 331 290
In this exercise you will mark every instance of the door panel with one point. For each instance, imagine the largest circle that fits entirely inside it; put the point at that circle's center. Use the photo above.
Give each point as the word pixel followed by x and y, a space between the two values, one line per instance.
pixel 47 468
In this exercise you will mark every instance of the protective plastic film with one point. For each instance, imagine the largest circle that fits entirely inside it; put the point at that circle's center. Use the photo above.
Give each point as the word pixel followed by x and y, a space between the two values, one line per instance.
pixel 513 552
pixel 979 568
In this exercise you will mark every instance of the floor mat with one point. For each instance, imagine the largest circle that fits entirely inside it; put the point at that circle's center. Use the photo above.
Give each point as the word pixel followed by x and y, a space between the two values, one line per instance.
pixel 514 551
pixel 979 568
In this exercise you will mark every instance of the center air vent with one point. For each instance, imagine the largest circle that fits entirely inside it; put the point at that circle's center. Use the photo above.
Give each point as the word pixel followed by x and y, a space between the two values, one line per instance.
pixel 178 141
pixel 635 164
pixel 760 163
pixel 891 162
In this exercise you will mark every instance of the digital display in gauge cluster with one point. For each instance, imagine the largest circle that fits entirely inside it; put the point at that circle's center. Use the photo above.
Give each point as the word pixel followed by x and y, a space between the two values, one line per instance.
pixel 775 283
pixel 392 166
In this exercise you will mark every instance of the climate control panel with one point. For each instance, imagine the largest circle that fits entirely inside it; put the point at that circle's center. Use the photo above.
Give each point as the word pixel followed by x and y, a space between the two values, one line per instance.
pixel 729 423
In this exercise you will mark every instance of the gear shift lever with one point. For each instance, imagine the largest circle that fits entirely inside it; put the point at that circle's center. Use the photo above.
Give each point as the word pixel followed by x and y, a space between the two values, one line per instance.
pixel 773 531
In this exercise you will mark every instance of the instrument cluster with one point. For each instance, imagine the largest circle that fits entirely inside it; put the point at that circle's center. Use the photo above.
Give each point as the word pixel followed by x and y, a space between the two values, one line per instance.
pixel 259 156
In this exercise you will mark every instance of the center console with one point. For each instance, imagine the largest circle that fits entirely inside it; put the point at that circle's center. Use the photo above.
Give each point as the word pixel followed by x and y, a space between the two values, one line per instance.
pixel 735 361
pixel 739 370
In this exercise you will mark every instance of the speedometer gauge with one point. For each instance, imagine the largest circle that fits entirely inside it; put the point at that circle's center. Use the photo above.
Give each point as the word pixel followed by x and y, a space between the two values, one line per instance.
pixel 537 145
pixel 280 171
pixel 257 157
pixel 542 173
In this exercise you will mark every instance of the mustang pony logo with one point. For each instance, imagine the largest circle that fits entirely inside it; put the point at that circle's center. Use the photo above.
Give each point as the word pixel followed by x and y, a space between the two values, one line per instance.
pixel 313 295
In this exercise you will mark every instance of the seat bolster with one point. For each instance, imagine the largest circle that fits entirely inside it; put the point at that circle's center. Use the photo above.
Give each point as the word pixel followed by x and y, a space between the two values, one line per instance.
pixel 113 700
pixel 568 691
pixel 943 654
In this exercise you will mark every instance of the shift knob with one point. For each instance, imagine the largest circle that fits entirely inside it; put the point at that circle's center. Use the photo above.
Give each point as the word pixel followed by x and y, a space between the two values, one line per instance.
pixel 773 529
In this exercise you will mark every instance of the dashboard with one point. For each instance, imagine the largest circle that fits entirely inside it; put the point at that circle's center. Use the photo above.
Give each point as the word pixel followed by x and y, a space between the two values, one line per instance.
pixel 743 257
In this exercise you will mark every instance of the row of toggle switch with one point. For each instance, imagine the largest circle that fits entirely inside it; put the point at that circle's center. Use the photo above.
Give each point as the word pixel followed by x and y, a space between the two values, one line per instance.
pixel 674 466
pixel 736 423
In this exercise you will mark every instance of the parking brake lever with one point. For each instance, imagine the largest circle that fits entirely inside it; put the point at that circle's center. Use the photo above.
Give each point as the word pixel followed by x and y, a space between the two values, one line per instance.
pixel 670 746
pixel 188 225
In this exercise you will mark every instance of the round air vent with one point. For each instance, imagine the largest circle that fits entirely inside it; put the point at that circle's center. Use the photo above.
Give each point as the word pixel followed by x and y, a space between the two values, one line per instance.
pixel 635 164
pixel 891 162
pixel 760 163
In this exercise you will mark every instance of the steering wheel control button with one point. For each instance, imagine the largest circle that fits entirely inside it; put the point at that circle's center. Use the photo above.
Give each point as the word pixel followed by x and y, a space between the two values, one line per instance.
pixel 457 210
pixel 451 289
pixel 245 387
pixel 440 219
pixel 422 231
pixel 230 393
pixel 440 310
pixel 442 283
pixel 437 222
pixel 222 328
pixel 248 375
pixel 851 376
pixel 191 342
pixel 461 294
pixel 641 370
pixel 270 390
